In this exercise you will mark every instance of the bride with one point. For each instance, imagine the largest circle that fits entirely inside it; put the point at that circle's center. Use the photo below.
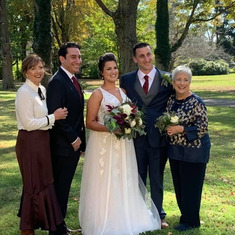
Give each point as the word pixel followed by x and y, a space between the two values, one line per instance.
pixel 111 202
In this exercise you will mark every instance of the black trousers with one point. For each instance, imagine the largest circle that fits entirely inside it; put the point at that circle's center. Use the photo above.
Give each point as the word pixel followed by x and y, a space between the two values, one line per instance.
pixel 152 161
pixel 188 181
pixel 63 170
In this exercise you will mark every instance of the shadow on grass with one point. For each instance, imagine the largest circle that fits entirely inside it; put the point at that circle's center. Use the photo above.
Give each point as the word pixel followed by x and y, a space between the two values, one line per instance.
pixel 9 152
pixel 216 94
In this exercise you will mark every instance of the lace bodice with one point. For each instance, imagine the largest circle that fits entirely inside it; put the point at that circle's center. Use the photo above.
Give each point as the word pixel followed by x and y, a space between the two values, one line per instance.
pixel 109 99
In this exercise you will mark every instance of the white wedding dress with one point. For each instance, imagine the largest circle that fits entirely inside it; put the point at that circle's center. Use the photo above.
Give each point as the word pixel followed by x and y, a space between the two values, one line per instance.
pixel 111 202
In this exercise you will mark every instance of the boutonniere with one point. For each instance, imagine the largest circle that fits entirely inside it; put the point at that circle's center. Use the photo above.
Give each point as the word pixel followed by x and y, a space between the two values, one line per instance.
pixel 166 79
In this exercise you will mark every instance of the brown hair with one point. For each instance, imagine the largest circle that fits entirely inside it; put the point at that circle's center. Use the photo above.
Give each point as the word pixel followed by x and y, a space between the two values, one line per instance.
pixel 30 61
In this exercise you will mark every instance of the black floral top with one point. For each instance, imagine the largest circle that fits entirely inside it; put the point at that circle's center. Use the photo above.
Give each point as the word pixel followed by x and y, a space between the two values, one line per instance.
pixel 193 116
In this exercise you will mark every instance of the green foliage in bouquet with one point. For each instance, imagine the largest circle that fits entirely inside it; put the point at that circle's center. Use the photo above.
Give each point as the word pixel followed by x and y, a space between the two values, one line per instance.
pixel 165 120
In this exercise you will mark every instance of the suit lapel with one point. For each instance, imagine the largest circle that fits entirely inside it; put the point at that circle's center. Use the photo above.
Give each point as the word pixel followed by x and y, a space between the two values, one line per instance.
pixel 138 90
pixel 155 85
pixel 71 85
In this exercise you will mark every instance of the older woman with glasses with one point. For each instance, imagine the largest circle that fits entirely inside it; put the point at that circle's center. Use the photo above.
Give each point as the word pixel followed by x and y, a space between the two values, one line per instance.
pixel 189 147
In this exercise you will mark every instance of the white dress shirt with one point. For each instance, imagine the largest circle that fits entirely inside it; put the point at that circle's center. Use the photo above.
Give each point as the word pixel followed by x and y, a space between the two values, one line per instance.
pixel 31 111
pixel 151 76
pixel 70 75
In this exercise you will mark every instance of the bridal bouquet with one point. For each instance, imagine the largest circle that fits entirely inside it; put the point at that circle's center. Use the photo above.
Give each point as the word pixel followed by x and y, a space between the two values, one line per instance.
pixel 167 119
pixel 125 121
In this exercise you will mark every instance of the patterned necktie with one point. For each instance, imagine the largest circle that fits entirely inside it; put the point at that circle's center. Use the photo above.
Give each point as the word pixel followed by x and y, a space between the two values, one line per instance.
pixel 146 84
pixel 75 82
pixel 42 97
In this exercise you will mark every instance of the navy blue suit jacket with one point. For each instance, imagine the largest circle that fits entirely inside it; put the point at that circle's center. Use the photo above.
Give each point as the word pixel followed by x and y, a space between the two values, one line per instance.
pixel 152 111
pixel 62 93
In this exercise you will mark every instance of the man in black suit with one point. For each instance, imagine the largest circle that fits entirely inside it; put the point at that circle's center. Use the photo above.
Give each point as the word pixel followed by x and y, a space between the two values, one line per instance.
pixel 68 135
pixel 144 87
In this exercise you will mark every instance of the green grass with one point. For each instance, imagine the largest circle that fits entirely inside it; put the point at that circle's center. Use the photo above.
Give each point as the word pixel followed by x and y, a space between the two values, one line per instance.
pixel 218 198
pixel 220 87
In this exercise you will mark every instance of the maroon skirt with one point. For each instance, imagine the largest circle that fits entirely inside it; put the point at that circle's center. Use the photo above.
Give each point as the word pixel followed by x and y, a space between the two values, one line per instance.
pixel 39 206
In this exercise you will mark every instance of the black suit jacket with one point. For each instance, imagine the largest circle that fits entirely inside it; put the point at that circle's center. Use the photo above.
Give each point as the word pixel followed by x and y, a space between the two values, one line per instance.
pixel 62 93
pixel 155 107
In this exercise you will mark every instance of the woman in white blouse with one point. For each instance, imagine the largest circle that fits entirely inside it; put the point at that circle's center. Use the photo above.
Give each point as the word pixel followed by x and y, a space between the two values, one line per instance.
pixel 39 207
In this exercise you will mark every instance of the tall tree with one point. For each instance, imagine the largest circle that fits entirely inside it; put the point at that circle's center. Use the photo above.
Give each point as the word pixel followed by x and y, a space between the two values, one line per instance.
pixel 189 15
pixel 61 18
pixel 73 20
pixel 68 19
pixel 7 75
pixel 20 17
pixel 124 17
pixel 42 39
pixel 162 51
pixel 225 32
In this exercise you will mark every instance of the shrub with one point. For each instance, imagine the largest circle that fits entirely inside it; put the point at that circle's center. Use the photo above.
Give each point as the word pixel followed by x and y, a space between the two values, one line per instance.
pixel 197 66
pixel 203 67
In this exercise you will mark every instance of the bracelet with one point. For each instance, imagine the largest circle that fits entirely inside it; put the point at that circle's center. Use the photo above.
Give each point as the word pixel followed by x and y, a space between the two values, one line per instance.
pixel 48 122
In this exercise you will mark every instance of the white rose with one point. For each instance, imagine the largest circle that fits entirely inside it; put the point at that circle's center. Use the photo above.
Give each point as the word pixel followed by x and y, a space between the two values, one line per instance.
pixel 174 119
pixel 126 109
pixel 127 130
pixel 133 123
pixel 140 122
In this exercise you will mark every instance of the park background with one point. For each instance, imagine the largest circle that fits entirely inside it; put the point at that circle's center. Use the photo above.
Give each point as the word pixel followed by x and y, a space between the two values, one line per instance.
pixel 198 33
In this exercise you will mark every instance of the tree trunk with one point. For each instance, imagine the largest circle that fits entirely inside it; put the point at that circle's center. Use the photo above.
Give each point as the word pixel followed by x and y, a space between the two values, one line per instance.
pixel 162 52
pixel 125 28
pixel 7 75
pixel 42 39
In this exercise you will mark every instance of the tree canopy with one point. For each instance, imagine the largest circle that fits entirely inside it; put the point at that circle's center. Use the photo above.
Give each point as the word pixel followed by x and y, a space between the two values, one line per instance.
pixel 106 25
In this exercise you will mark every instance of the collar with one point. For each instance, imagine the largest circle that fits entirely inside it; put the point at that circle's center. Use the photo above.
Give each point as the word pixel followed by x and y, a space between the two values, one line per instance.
pixel 70 75
pixel 151 74
pixel 32 85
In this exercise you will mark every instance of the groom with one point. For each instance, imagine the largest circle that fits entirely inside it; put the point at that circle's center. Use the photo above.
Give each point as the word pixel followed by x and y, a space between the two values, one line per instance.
pixel 144 87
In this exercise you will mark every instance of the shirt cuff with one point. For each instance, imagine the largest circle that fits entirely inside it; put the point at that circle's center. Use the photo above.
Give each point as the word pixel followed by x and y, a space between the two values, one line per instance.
pixel 75 140
pixel 51 119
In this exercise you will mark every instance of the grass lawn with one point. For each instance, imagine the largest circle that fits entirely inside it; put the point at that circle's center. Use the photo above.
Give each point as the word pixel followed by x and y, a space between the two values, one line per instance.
pixel 218 198
pixel 220 87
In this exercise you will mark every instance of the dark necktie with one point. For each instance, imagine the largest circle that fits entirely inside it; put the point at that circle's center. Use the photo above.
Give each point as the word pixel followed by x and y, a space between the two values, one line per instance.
pixel 75 82
pixel 42 97
pixel 146 84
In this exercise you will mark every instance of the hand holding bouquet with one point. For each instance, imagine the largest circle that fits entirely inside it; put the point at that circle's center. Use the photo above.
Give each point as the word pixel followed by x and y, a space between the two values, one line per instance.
pixel 125 121
pixel 167 119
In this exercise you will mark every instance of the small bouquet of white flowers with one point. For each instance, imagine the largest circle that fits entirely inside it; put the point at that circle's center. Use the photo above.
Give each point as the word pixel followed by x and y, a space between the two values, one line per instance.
pixel 126 120
pixel 167 119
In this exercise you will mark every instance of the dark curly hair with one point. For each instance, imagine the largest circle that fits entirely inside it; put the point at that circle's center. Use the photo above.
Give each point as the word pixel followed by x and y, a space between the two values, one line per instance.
pixel 105 58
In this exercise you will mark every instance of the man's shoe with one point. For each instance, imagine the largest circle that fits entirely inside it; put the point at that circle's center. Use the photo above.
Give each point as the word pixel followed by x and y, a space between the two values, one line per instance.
pixel 182 227
pixel 74 230
pixel 164 224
